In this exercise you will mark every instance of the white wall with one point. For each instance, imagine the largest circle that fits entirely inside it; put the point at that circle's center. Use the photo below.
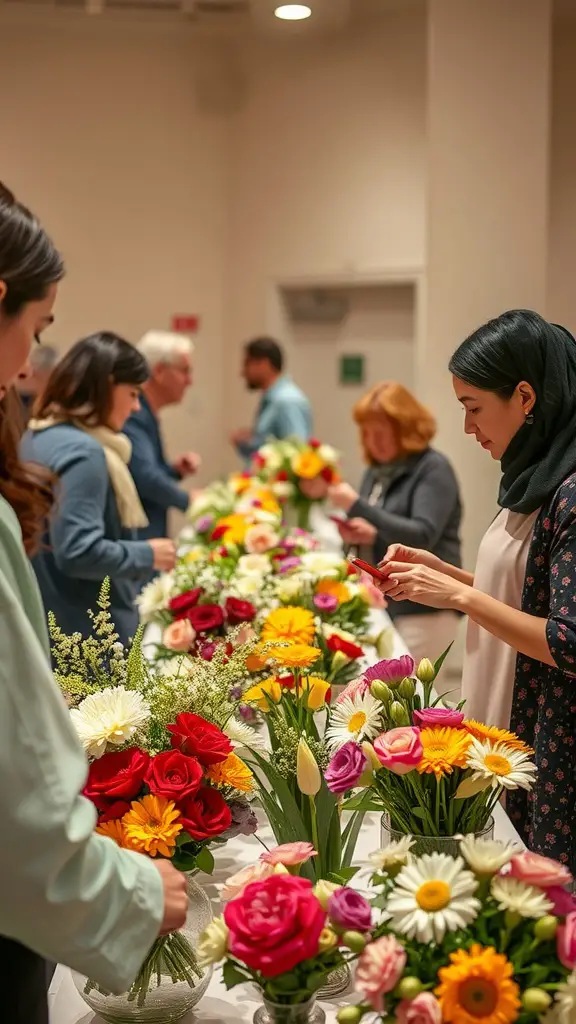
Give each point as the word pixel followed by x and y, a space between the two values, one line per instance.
pixel 561 300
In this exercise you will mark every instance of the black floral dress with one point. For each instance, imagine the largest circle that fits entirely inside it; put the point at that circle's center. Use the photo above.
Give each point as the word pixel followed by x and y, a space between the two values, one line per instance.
pixel 544 701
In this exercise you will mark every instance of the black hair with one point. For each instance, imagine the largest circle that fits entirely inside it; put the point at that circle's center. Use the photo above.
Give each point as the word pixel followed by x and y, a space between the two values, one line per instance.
pixel 29 262
pixel 80 384
pixel 265 348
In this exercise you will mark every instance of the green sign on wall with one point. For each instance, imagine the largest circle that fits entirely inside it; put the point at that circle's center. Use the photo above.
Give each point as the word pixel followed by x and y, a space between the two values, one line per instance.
pixel 352 369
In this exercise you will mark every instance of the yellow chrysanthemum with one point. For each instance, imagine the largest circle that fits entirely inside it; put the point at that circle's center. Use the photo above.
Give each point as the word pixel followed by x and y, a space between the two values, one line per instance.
pixel 478 988
pixel 151 826
pixel 491 732
pixel 443 749
pixel 307 464
pixel 236 527
pixel 335 589
pixel 292 623
pixel 114 829
pixel 316 690
pixel 231 772
pixel 295 656
pixel 262 693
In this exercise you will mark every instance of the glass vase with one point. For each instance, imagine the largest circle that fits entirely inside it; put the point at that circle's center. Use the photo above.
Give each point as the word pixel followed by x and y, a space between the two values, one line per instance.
pixel 292 1013
pixel 160 995
pixel 430 844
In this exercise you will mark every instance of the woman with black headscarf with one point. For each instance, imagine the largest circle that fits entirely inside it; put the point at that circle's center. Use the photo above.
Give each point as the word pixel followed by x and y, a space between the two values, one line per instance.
pixel 516 378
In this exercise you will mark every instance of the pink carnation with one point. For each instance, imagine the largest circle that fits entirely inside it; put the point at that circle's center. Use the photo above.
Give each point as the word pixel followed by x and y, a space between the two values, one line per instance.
pixel 357 687
pixel 289 854
pixel 438 716
pixel 543 872
pixel 424 1009
pixel 379 970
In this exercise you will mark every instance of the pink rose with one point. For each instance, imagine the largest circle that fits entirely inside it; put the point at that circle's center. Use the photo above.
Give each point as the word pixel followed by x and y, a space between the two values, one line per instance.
pixel 399 750
pixel 424 1009
pixel 566 942
pixel 289 854
pixel 236 884
pixel 537 870
pixel 380 967
pixel 260 538
pixel 564 902
pixel 357 687
pixel 179 636
pixel 438 716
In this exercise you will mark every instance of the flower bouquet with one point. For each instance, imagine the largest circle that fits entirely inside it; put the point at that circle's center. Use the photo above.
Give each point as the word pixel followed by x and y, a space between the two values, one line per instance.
pixel 433 772
pixel 286 937
pixel 299 472
pixel 488 937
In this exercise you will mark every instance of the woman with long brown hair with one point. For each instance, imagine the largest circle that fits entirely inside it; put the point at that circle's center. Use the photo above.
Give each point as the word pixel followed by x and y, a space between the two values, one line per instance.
pixel 66 893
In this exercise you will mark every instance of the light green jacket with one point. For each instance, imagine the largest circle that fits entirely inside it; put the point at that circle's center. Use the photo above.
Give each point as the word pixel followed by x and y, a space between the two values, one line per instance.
pixel 66 892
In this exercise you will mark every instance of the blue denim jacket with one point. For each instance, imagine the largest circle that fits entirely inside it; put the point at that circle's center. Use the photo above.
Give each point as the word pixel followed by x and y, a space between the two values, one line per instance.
pixel 284 411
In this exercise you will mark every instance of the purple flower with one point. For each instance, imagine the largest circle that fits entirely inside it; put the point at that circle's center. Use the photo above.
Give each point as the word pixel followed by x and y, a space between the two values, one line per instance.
pixel 204 523
pixel 287 564
pixel 244 821
pixel 235 693
pixel 345 768
pixel 247 713
pixel 326 603
pixel 349 911
pixel 390 670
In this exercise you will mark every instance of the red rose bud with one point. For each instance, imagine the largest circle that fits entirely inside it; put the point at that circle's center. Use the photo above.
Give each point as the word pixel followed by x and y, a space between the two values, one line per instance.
pixel 219 532
pixel 196 737
pixel 259 462
pixel 223 552
pixel 206 617
pixel 206 814
pixel 181 605
pixel 314 442
pixel 238 611
pixel 327 474
pixel 337 643
pixel 174 775
pixel 282 475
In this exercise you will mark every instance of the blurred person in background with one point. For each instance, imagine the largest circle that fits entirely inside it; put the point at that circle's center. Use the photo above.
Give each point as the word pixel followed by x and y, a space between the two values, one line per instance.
pixel 76 434
pixel 66 893
pixel 516 379
pixel 284 409
pixel 169 358
pixel 408 495
pixel 42 361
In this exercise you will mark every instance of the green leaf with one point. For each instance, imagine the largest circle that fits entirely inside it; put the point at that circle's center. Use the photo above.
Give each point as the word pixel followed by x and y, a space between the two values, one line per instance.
pixel 343 876
pixel 205 861
pixel 438 664
pixel 364 801
pixel 418 812
pixel 232 976
pixel 184 861
pixel 351 832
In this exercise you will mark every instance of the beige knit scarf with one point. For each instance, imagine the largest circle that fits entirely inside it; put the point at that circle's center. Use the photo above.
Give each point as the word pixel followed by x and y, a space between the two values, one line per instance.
pixel 117 450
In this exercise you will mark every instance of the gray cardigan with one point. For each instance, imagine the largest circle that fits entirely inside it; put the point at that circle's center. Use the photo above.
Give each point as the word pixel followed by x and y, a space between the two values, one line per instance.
pixel 85 541
pixel 421 508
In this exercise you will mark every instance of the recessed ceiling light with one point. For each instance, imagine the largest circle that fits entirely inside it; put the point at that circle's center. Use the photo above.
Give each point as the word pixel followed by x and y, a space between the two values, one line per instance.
pixel 293 12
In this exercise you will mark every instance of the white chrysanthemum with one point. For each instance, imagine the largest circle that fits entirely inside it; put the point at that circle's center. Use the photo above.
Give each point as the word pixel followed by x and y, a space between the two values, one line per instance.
pixel 433 894
pixel 487 856
pixel 241 734
pixel 289 587
pixel 155 597
pixel 354 718
pixel 565 1001
pixel 501 764
pixel 272 457
pixel 322 564
pixel 247 587
pixel 525 900
pixel 213 943
pixel 396 854
pixel 254 565
pixel 110 716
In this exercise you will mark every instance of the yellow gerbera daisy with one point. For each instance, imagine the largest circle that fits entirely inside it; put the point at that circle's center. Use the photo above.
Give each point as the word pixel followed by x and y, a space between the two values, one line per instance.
pixel 335 589
pixel 295 656
pixel 262 693
pixel 114 829
pixel 239 483
pixel 444 749
pixel 231 772
pixel 307 464
pixel 236 527
pixel 478 988
pixel 491 732
pixel 291 623
pixel 151 826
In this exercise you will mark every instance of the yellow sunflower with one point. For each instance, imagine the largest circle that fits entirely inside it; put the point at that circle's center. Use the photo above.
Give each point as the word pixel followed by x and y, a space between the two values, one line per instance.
pixel 114 829
pixel 443 749
pixel 151 826
pixel 262 693
pixel 291 623
pixel 307 464
pixel 335 589
pixel 295 656
pixel 491 732
pixel 478 988
pixel 236 527
pixel 231 772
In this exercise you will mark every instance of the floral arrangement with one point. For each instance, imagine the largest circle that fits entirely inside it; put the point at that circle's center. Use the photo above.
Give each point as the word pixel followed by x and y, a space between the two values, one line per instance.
pixel 434 772
pixel 297 471
pixel 488 937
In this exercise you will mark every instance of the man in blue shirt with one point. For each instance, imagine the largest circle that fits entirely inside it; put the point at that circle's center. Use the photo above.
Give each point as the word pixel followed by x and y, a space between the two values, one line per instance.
pixel 284 410
pixel 169 357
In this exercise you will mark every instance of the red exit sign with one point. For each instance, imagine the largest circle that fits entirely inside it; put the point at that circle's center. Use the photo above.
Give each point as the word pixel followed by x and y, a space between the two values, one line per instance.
pixel 185 323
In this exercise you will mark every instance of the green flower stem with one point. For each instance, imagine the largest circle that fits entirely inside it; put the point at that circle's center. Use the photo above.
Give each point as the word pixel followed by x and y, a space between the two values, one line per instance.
pixel 315 838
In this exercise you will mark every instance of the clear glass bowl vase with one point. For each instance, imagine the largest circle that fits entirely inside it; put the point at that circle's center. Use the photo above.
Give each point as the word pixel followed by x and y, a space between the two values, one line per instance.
pixel 174 984
pixel 294 1013
pixel 430 844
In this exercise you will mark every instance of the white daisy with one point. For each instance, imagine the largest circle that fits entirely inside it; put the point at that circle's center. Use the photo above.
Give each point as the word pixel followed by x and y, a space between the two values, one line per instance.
pixel 487 856
pixel 396 854
pixel 501 764
pixel 254 565
pixel 432 895
pixel 241 734
pixel 525 900
pixel 111 716
pixel 354 718
pixel 155 597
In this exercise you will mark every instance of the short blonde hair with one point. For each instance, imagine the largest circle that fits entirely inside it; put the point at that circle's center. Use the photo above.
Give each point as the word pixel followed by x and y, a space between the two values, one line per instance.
pixel 164 347
pixel 414 425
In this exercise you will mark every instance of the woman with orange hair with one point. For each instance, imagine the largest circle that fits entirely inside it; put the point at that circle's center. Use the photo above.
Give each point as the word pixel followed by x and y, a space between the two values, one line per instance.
pixel 409 495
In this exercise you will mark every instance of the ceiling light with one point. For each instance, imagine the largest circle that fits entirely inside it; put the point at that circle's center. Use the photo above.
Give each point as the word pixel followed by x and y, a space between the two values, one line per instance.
pixel 293 12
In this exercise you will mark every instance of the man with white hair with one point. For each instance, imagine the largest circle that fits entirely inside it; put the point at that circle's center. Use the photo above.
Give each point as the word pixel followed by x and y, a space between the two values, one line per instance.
pixel 169 357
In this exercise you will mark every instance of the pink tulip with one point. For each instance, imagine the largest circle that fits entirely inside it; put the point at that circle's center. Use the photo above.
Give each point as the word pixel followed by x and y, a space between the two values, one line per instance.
pixel 289 854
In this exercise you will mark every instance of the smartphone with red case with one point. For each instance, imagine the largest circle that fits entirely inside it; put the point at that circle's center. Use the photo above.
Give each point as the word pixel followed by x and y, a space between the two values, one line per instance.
pixel 372 571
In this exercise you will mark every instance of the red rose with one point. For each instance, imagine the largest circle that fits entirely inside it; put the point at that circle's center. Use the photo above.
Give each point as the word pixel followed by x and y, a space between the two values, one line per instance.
pixel 336 643
pixel 205 814
pixel 314 442
pixel 174 775
pixel 181 605
pixel 205 617
pixel 113 811
pixel 275 924
pixel 238 611
pixel 327 474
pixel 282 475
pixel 219 532
pixel 258 461
pixel 198 738
pixel 115 777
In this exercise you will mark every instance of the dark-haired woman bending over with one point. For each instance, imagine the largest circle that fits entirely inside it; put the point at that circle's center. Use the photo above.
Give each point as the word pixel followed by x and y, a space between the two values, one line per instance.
pixel 76 434
pixel 516 379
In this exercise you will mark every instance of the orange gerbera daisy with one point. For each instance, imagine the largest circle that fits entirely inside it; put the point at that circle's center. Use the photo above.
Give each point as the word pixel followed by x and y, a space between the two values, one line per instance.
pixel 443 749
pixel 478 988
pixel 492 732
pixel 151 826
pixel 293 624
pixel 335 588
pixel 295 656
pixel 114 829
pixel 231 772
